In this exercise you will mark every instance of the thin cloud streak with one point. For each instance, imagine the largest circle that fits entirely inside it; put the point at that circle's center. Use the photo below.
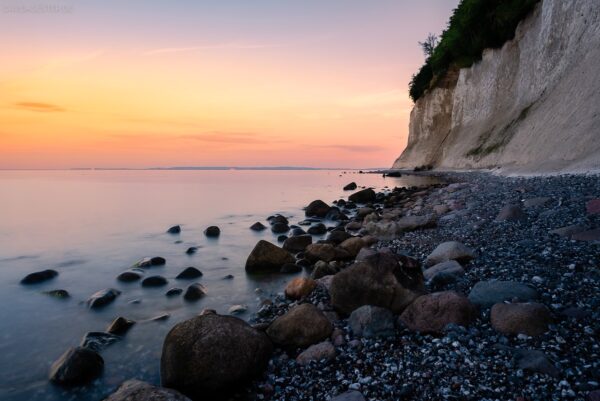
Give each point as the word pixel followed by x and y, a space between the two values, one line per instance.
pixel 39 107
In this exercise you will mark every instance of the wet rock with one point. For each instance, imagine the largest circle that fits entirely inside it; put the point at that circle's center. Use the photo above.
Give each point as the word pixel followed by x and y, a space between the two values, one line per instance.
pixel 520 318
pixel 174 230
pixel 335 214
pixel 160 318
pixel 363 196
pixel 351 395
pixel 383 279
pixel 61 294
pixel 431 313
pixel 267 258
pixel 154 281
pixel 39 277
pixel 76 366
pixel 301 326
pixel 103 298
pixel 451 250
pixel 279 228
pixel 297 243
pixel 228 277
pixel 98 340
pixel 150 262
pixel 296 231
pixel 350 187
pixel 372 321
pixel 120 326
pixel 300 287
pixel 211 355
pixel 212 232
pixel 237 309
pixel 173 292
pixel 189 273
pixel 338 236
pixel 135 390
pixel 191 250
pixel 353 245
pixel 290 268
pixel 317 352
pixel 317 229
pixel 129 276
pixel 534 361
pixel 511 213
pixel 282 238
pixel 450 267
pixel 488 293
pixel 258 226
pixel 194 292
pixel 354 226
pixel 324 252
pixel 322 269
pixel 278 219
pixel 317 208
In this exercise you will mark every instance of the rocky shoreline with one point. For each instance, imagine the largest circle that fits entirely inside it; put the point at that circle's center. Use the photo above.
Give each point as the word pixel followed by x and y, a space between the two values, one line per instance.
pixel 480 288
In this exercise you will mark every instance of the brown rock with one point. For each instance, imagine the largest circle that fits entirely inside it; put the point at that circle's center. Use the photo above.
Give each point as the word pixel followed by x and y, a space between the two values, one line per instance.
pixel 316 252
pixel 317 352
pixel 353 245
pixel 432 312
pixel 301 326
pixel 520 318
pixel 267 258
pixel 136 390
pixel 300 287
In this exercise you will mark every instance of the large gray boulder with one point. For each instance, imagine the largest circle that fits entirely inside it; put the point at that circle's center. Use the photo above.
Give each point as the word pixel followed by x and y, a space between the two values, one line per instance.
pixel 451 250
pixel 372 321
pixel 267 258
pixel 136 390
pixel 382 279
pixel 301 326
pixel 77 366
pixel 209 355
pixel 488 293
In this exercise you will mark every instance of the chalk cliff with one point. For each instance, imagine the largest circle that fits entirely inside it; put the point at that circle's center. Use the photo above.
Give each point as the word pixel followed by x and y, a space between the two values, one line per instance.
pixel 532 106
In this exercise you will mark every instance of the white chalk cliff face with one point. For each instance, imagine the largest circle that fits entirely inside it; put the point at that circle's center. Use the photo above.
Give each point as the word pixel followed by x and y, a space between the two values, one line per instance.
pixel 531 106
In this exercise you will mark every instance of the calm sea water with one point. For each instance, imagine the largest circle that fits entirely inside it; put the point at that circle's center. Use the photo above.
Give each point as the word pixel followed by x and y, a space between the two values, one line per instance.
pixel 92 225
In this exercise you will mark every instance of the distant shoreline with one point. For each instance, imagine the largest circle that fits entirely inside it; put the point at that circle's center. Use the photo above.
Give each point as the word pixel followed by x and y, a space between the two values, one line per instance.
pixel 200 168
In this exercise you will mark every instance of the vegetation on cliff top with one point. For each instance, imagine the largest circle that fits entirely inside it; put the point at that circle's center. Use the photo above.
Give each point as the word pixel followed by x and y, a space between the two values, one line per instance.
pixel 475 25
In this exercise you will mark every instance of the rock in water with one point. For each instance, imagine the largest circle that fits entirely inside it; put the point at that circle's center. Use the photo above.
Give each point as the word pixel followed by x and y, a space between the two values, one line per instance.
pixel 135 390
pixel 258 226
pixel 267 258
pixel 98 340
pixel 103 298
pixel 382 279
pixel 174 230
pixel 76 366
pixel 191 250
pixel 129 276
pixel 173 292
pixel 300 287
pixel 189 272
pixel 38 277
pixel 279 228
pixel 350 187
pixel 301 326
pixel 317 208
pixel 432 312
pixel 211 355
pixel 318 352
pixel 61 294
pixel 451 250
pixel 154 281
pixel 297 243
pixel 372 321
pixel 149 262
pixel 526 318
pixel 194 292
pixel 120 326
pixel 212 232
pixel 324 252
pixel 363 196
pixel 317 229
pixel 488 293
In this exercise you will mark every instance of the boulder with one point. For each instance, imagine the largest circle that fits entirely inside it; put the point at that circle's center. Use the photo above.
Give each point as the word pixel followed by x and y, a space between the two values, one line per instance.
pixel 520 318
pixel 136 390
pixel 363 196
pixel 267 258
pixel 338 236
pixel 350 187
pixel 353 245
pixel 449 267
pixel 432 312
pixel 279 228
pixel 173 292
pixel 277 219
pixel 212 231
pixel 322 269
pixel 237 309
pixel 382 279
pixel 191 250
pixel 150 262
pixel 258 226
pixel 61 294
pixel 174 230
pixel 120 326
pixel 451 250
pixel 76 366
pixel 102 298
pixel 98 340
pixel 511 212
pixel 316 252
pixel 317 208
pixel 488 293
pixel 297 243
pixel 301 326
pixel 317 229
pixel 317 352
pixel 296 231
pixel 38 277
pixel 189 273
pixel 154 281
pixel 300 287
pixel 372 321
pixel 129 276
pixel 194 292
pixel 209 356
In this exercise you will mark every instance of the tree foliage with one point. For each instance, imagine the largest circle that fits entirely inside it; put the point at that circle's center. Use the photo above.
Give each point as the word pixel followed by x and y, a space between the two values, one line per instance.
pixel 475 25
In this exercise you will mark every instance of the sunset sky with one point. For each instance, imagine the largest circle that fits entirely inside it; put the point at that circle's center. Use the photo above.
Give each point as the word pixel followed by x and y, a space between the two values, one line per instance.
pixel 318 83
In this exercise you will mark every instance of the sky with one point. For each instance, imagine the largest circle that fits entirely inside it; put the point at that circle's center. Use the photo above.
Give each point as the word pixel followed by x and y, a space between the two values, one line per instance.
pixel 145 83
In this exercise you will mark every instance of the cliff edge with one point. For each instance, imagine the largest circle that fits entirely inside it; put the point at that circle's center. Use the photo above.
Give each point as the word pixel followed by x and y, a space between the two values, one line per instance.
pixel 532 106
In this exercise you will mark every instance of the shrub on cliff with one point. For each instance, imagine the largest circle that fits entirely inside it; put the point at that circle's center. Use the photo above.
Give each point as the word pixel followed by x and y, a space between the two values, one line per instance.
pixel 475 25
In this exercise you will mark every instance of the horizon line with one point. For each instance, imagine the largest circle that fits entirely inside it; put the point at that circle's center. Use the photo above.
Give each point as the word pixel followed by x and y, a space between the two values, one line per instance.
pixel 201 168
